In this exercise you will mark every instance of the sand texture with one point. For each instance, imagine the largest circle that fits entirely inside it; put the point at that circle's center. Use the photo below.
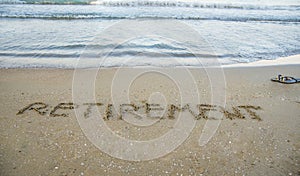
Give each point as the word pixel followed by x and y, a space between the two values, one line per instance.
pixel 258 133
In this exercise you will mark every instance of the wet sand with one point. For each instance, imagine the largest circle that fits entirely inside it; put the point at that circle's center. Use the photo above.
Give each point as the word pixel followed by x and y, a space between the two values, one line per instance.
pixel 49 141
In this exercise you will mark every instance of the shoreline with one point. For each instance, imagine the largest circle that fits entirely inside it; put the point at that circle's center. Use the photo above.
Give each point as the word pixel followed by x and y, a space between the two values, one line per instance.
pixel 282 61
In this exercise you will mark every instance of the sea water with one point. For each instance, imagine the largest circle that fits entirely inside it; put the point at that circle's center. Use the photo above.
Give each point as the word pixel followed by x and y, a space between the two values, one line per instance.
pixel 54 33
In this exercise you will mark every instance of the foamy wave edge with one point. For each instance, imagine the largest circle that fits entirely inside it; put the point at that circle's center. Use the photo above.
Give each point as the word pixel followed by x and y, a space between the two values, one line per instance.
pixel 290 60
pixel 162 3
pixel 71 63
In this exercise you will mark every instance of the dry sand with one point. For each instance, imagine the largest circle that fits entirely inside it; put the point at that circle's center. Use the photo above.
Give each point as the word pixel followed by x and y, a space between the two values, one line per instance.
pixel 45 144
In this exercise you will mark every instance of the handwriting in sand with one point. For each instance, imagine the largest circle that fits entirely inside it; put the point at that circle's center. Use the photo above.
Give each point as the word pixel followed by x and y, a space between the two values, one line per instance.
pixel 198 111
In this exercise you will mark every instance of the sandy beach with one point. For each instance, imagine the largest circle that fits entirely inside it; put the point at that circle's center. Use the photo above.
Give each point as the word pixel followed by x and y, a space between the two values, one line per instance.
pixel 149 87
pixel 40 134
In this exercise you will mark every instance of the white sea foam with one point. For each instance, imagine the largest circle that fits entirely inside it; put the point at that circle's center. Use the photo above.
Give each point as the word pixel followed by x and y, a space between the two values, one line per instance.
pixel 234 4
pixel 290 60
pixel 70 63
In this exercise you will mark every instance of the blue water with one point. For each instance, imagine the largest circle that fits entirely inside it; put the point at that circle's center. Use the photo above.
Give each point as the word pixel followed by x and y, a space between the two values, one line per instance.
pixel 36 34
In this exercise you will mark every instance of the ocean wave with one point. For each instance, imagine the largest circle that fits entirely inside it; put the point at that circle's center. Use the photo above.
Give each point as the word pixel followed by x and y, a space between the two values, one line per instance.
pixel 161 3
pixel 194 4
pixel 39 55
pixel 129 58
pixel 70 63
pixel 116 11
pixel 118 17
pixel 149 54
pixel 63 2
